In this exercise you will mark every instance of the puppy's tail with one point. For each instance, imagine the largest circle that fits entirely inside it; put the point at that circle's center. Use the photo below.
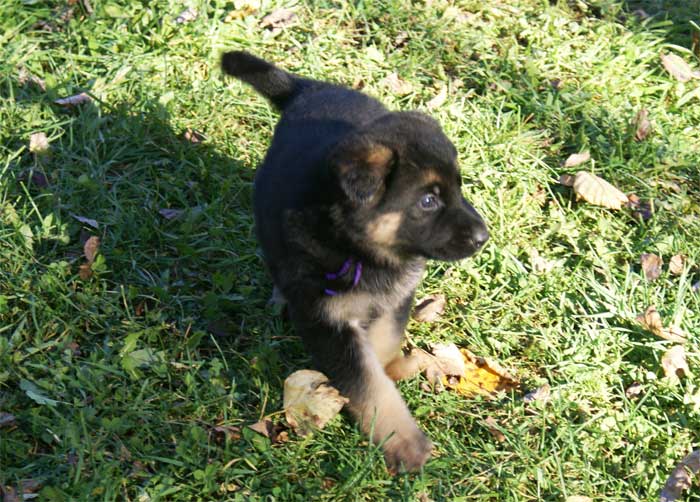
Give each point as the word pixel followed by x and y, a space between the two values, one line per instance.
pixel 274 83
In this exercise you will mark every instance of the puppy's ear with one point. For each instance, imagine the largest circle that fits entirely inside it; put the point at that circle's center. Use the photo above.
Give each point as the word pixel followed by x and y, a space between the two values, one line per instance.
pixel 361 166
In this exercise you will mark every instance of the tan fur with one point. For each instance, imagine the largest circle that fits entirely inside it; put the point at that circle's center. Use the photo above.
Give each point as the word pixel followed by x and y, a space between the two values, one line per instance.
pixel 431 177
pixel 404 366
pixel 382 230
pixel 385 415
pixel 379 156
pixel 385 337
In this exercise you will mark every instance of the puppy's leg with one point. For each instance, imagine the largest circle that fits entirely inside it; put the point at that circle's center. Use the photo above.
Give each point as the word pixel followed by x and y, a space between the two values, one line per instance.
pixel 347 357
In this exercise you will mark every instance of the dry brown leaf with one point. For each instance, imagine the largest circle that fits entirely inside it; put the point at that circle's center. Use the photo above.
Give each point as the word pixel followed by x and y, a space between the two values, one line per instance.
pixel 25 77
pixel 279 19
pixel 541 394
pixel 675 364
pixel 642 125
pixel 651 320
pixel 7 419
pixel 187 16
pixel 438 100
pixel 676 264
pixel 576 159
pixel 492 425
pixel 88 221
pixel 85 271
pixel 39 143
pixel 651 265
pixel 230 432
pixel 397 85
pixel 77 99
pixel 596 190
pixel 309 401
pixel 277 433
pixel 193 136
pixel 91 248
pixel 430 308
pixel 482 376
pixel 677 67
pixel 634 390
pixel 567 180
pixel 681 478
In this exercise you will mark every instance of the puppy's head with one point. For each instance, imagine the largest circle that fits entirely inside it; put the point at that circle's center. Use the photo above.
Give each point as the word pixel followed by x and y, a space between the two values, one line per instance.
pixel 401 191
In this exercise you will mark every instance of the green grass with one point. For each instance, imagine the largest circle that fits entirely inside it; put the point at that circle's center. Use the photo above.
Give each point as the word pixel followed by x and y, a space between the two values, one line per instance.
pixel 118 381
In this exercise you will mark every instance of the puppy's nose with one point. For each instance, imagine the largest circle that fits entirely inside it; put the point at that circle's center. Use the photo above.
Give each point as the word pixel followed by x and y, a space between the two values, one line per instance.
pixel 480 236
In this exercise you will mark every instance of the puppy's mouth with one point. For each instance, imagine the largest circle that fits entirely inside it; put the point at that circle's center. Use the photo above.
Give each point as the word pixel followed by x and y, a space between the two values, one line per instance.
pixel 454 251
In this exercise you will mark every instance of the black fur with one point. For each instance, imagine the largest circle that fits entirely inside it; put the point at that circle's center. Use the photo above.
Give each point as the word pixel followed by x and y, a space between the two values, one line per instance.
pixel 344 178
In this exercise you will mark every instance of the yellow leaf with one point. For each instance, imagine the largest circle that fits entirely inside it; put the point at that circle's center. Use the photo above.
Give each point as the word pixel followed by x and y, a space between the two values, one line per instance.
pixel 596 190
pixel 481 376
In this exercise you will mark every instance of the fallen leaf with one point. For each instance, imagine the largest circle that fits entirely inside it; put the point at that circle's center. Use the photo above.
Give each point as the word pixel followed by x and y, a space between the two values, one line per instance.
pixel 88 221
pixel 85 271
pixel 279 19
pixel 578 498
pixel 38 143
pixel 676 264
pixel 91 248
pixel 642 125
pixel 7 419
pixel 193 136
pixel 634 390
pixel 187 16
pixel 674 363
pixel 438 100
pixel 492 425
pixel 430 308
pixel 556 84
pixel 539 264
pixel 242 8
pixel 651 265
pixel 651 320
pixel 25 77
pixel 397 85
pixel 9 494
pixel 576 159
pixel 641 209
pixel 230 432
pixel 228 487
pixel 567 180
pixel 309 401
pixel 77 99
pixel 400 39
pixel 29 486
pixel 541 394
pixel 277 433
pixel 677 67
pixel 170 214
pixel 681 477
pixel 482 376
pixel 596 190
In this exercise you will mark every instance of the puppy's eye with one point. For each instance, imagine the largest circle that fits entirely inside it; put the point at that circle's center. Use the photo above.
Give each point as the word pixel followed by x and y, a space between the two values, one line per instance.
pixel 429 202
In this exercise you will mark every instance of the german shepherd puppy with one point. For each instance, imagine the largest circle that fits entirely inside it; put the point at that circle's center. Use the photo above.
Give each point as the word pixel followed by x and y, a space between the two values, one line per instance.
pixel 350 201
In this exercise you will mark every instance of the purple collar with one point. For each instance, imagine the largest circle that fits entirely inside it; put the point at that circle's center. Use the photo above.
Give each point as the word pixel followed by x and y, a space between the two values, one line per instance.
pixel 331 276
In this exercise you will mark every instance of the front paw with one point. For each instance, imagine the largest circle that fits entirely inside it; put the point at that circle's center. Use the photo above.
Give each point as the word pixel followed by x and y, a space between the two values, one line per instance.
pixel 407 452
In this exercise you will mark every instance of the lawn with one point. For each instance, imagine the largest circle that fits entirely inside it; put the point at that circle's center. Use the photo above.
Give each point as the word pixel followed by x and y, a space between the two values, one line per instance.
pixel 134 375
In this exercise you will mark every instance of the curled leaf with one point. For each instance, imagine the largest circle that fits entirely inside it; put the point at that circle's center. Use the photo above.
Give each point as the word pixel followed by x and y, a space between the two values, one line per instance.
pixel 278 20
pixel 634 390
pixel 576 159
pixel 397 85
pixel 651 320
pixel 309 401
pixel 674 363
pixel 429 308
pixel 676 264
pixel 91 248
pixel 651 265
pixel 277 433
pixel 681 478
pixel 38 143
pixel 596 190
pixel 77 99
pixel 642 125
pixel 677 67
pixel 567 180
